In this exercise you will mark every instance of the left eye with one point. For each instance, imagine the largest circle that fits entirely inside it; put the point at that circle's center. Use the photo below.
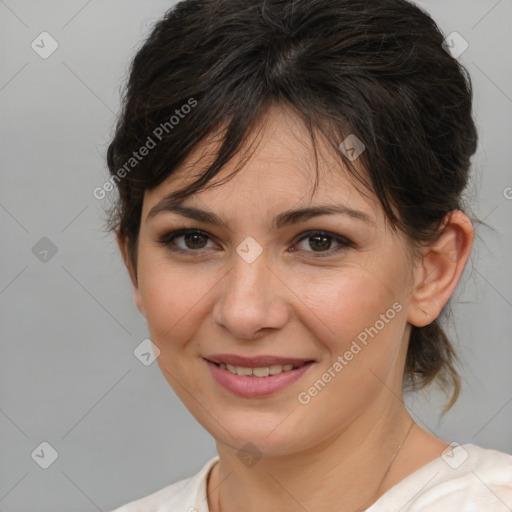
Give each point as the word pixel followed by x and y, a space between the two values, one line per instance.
pixel 193 240
pixel 321 242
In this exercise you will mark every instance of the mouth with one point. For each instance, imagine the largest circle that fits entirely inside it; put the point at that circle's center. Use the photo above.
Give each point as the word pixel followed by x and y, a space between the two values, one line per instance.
pixel 256 377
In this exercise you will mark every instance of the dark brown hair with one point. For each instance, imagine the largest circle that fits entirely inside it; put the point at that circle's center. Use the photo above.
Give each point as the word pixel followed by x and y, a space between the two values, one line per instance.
pixel 372 68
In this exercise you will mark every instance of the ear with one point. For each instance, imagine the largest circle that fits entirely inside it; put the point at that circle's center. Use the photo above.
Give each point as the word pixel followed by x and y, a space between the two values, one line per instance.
pixel 122 243
pixel 440 270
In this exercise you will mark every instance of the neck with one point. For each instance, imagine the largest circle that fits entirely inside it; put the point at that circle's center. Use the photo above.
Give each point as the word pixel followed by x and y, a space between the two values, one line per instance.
pixel 347 472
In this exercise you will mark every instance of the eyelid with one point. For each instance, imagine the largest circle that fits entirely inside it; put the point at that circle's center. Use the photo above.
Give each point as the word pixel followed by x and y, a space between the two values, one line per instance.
pixel 169 237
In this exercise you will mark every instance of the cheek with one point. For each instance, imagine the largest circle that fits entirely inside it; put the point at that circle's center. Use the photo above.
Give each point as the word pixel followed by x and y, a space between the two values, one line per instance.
pixel 344 304
pixel 360 321
pixel 172 300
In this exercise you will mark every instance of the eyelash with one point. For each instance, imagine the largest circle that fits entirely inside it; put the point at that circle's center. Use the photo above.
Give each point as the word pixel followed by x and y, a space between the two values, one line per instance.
pixel 168 241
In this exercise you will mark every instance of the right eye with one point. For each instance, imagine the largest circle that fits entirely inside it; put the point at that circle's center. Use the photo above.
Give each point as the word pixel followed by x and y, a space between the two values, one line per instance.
pixel 193 240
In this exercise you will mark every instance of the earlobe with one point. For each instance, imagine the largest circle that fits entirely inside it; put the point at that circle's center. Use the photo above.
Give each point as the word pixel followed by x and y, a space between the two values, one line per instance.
pixel 441 268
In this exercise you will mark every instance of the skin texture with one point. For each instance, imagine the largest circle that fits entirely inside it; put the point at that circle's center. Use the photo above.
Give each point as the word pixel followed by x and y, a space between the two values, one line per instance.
pixel 333 452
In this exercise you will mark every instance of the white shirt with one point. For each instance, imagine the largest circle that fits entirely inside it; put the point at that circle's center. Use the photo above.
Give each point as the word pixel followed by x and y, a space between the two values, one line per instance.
pixel 468 478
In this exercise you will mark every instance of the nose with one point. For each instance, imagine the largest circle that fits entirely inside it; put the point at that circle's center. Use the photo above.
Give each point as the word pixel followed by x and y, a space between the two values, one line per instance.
pixel 252 299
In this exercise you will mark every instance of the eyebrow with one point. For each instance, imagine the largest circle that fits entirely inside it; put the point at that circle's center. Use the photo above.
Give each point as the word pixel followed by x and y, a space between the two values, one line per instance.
pixel 171 204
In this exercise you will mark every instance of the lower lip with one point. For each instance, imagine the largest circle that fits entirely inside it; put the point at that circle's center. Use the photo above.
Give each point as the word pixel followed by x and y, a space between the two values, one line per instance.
pixel 256 387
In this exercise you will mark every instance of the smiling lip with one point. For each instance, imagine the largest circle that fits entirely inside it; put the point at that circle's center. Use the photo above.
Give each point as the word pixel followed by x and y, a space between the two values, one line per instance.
pixel 251 386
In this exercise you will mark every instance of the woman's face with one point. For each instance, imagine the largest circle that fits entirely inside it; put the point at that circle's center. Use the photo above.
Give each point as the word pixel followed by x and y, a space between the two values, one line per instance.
pixel 328 293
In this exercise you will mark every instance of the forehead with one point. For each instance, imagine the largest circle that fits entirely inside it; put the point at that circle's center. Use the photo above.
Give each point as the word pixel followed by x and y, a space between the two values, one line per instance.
pixel 275 166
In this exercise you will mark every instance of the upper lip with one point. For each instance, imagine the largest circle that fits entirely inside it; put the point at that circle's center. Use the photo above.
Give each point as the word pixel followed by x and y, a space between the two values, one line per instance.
pixel 255 362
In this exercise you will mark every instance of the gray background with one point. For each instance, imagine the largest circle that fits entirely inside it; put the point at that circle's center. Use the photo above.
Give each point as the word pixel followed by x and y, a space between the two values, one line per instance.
pixel 68 325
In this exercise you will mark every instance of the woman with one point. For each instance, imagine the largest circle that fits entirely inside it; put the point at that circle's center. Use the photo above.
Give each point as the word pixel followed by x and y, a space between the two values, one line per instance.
pixel 290 179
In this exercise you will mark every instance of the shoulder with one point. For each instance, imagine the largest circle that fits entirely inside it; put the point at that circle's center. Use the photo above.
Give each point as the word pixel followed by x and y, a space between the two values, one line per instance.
pixel 465 478
pixel 188 494
pixel 473 477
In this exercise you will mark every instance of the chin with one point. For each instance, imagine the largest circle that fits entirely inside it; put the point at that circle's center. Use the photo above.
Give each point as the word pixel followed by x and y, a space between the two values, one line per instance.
pixel 256 432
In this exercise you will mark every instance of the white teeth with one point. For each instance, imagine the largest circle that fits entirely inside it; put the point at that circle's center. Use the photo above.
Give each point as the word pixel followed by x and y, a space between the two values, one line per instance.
pixel 275 368
pixel 263 371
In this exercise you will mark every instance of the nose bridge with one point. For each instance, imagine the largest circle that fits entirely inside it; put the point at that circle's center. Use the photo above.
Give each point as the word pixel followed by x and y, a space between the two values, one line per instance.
pixel 249 270
pixel 249 301
pixel 247 284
